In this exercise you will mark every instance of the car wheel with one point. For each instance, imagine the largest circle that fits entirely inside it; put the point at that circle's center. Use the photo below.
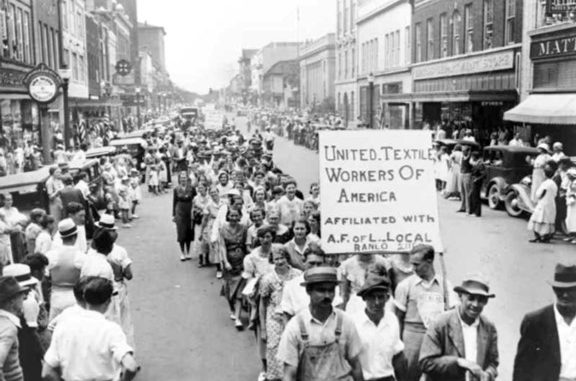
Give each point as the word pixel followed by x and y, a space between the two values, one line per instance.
pixel 494 197
pixel 511 204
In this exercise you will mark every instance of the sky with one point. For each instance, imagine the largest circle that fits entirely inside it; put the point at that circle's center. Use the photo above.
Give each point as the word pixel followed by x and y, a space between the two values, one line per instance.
pixel 204 39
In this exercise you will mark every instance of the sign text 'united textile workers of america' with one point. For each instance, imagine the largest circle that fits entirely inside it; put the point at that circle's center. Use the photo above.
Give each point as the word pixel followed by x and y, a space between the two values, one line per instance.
pixel 377 191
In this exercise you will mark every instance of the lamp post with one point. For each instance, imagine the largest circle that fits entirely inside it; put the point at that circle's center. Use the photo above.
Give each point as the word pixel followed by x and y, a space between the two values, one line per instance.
pixel 66 74
pixel 370 100
pixel 138 123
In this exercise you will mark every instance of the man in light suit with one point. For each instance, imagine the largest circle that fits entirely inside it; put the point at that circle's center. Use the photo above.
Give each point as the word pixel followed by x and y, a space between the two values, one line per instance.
pixel 547 349
pixel 461 344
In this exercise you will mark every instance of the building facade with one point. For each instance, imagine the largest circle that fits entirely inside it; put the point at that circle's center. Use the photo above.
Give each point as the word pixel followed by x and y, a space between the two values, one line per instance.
pixel 245 74
pixel 317 74
pixel 548 105
pixel 346 60
pixel 278 84
pixel 151 38
pixel 267 57
pixel 466 62
pixel 384 41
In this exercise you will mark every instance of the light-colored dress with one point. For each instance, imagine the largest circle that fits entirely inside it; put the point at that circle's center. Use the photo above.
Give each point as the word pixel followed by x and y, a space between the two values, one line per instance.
pixel 538 175
pixel 571 208
pixel 543 219
pixel 453 174
pixel 271 288
pixel 5 246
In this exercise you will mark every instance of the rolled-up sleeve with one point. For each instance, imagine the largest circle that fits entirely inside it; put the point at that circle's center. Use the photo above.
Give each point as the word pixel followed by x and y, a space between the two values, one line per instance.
pixel 118 344
pixel 288 349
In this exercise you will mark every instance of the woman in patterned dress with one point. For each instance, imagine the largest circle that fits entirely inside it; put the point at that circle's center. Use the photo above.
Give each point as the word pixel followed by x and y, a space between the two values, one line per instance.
pixel 232 245
pixel 271 316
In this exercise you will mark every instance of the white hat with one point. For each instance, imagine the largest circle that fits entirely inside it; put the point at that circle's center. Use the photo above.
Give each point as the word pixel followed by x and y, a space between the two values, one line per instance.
pixel 544 146
pixel 106 222
pixel 67 228
pixel 22 274
pixel 557 145
pixel 233 192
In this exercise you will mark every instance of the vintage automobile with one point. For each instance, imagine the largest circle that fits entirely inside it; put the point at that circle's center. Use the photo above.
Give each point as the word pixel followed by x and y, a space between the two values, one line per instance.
pixel 28 189
pixel 136 147
pixel 97 153
pixel 505 166
pixel 518 202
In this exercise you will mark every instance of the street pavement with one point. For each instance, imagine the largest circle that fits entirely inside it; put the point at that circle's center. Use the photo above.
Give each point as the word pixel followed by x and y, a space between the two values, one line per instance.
pixel 182 325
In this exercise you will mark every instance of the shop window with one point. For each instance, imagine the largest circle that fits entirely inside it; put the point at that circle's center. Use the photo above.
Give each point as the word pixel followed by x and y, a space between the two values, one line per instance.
pixel 488 23
pixel 456 26
pixel 443 35
pixel 510 21
pixel 469 28
pixel 418 43
pixel 430 38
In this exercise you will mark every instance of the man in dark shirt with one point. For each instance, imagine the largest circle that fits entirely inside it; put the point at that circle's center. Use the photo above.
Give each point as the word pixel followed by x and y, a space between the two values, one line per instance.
pixel 465 180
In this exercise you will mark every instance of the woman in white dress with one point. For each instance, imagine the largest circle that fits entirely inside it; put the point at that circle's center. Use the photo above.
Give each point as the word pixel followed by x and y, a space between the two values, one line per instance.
pixel 571 205
pixel 543 220
pixel 538 172
pixel 454 160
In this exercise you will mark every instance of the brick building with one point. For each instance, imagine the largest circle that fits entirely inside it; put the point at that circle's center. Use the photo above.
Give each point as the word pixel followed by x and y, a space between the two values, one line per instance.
pixel 466 62
pixel 548 105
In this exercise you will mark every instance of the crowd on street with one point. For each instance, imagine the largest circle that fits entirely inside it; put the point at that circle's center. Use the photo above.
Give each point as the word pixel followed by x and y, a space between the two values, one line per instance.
pixel 64 305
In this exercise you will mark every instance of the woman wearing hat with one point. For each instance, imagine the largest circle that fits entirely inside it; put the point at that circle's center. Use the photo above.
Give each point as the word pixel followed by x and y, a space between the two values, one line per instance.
pixel 571 205
pixel 543 220
pixel 538 163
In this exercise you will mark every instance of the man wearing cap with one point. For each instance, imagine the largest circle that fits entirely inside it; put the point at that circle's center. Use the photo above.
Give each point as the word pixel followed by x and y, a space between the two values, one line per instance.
pixel 12 296
pixel 461 344
pixel 294 296
pixel 382 355
pixel 64 264
pixel 418 300
pixel 320 342
pixel 547 346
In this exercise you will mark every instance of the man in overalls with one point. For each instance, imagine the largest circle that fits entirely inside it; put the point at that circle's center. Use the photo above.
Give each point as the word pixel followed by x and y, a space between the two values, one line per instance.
pixel 321 343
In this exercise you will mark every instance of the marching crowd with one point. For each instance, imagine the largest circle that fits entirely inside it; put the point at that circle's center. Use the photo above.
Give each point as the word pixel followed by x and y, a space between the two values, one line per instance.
pixel 64 307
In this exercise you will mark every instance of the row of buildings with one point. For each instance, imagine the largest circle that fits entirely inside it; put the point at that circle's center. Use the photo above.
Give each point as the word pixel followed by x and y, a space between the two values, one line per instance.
pixel 83 41
pixel 481 64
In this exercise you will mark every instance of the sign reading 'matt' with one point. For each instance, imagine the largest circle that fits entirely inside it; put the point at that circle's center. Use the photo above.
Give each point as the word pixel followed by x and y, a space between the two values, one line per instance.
pixel 554 47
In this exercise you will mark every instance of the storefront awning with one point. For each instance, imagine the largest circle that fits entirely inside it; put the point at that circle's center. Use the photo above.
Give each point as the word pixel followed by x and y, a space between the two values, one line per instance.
pixel 545 109
pixel 96 103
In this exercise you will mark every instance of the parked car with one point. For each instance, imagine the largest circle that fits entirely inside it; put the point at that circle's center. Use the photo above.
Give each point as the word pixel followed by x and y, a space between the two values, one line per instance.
pixel 505 166
pixel 518 202
pixel 96 153
pixel 136 147
pixel 28 189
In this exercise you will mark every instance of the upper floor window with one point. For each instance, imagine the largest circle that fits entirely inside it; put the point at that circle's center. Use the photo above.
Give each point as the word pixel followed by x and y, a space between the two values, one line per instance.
pixel 469 28
pixel 430 38
pixel 443 35
pixel 418 42
pixel 407 43
pixel 510 21
pixel 488 23
pixel 456 30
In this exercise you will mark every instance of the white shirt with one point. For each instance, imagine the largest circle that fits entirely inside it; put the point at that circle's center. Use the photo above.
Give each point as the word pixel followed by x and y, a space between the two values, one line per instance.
pixel 295 298
pixel 43 242
pixel 83 187
pixel 86 346
pixel 379 344
pixel 567 337
pixel 470 335
pixel 96 264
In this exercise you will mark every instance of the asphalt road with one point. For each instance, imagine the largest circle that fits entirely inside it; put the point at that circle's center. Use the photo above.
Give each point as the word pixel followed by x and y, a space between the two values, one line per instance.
pixel 182 325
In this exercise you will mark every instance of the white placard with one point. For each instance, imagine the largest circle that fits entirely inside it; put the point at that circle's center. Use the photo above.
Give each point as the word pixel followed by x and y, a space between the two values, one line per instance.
pixel 378 191
pixel 213 119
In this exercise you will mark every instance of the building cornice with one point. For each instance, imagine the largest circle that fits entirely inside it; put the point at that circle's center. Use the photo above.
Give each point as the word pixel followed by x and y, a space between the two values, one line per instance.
pixel 379 10
pixel 468 55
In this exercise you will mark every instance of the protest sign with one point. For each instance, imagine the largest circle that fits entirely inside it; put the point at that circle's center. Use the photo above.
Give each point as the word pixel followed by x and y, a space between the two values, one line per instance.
pixel 213 119
pixel 378 191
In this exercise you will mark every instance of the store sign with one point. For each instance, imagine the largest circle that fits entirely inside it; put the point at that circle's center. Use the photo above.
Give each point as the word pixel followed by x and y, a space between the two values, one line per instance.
pixel 554 7
pixel 466 65
pixel 378 191
pixel 554 47
pixel 42 84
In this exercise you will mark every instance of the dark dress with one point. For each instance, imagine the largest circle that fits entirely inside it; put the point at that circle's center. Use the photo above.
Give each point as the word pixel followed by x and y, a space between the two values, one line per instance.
pixel 233 243
pixel 182 212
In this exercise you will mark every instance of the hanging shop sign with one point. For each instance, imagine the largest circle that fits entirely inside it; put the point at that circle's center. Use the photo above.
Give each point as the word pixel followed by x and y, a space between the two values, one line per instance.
pixel 553 47
pixel 42 84
pixel 378 191
pixel 563 7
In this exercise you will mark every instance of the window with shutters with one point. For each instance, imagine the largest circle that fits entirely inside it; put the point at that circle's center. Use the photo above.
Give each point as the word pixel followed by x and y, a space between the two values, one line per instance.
pixel 488 23
pixel 469 28
pixel 510 22
pixel 418 42
pixel 456 30
pixel 430 38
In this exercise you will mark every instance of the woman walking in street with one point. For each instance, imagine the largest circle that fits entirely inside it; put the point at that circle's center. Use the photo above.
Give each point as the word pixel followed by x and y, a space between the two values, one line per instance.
pixel 452 188
pixel 199 204
pixel 538 163
pixel 571 205
pixel 542 222
pixel 271 316
pixel 232 246
pixel 184 193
